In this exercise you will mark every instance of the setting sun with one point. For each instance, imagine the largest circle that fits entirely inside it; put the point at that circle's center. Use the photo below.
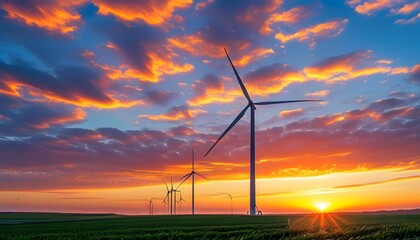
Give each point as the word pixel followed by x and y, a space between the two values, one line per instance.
pixel 321 206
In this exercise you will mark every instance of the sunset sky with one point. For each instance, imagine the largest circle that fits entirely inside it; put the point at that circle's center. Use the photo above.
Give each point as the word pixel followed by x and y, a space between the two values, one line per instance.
pixel 102 101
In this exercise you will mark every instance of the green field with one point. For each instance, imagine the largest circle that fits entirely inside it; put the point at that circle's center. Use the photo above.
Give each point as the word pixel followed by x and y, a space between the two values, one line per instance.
pixel 109 226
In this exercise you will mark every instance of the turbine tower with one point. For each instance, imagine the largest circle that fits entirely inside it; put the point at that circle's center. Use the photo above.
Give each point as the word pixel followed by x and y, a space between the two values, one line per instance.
pixel 251 105
pixel 191 174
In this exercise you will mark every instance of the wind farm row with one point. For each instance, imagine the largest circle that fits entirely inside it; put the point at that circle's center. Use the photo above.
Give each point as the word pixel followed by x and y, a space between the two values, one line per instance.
pixel 171 200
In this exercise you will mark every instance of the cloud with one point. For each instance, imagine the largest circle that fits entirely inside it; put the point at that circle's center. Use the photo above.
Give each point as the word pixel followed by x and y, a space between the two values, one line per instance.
pixel 396 8
pixel 54 16
pixel 143 52
pixel 311 33
pixel 80 86
pixel 274 78
pixel 252 56
pixel 291 113
pixel 321 93
pixel 415 75
pixel 231 25
pixel 211 89
pixel 176 113
pixel 271 79
pixel 378 182
pixel 409 20
pixel 160 97
pixel 150 11
pixel 368 7
pixel 407 8
pixel 82 158
pixel 203 4
pixel 290 16
pixel 45 48
pixel 344 67
pixel 197 46
pixel 20 117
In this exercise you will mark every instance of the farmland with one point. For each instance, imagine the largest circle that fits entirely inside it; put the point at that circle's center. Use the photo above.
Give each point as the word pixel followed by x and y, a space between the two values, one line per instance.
pixel 109 226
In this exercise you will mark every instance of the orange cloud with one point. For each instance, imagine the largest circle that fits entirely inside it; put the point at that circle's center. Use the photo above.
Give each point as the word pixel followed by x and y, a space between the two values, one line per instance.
pixel 343 68
pixel 291 113
pixel 288 17
pixel 274 78
pixel 211 89
pixel 149 11
pixel 196 45
pixel 158 64
pixel 86 102
pixel 338 118
pixel 251 15
pixel 321 93
pixel 367 7
pixel 77 115
pixel 252 56
pixel 54 16
pixel 369 113
pixel 213 96
pixel 16 88
pixel 400 70
pixel 408 8
pixel 175 114
pixel 322 30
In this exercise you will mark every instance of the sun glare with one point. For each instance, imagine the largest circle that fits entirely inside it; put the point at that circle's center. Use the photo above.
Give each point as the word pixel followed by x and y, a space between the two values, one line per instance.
pixel 321 206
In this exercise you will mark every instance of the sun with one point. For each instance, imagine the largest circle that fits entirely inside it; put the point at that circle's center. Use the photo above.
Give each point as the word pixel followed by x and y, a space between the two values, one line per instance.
pixel 321 206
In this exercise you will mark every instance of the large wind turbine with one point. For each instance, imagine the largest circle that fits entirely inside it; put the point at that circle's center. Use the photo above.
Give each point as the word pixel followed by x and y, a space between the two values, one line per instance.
pixel 191 174
pixel 251 105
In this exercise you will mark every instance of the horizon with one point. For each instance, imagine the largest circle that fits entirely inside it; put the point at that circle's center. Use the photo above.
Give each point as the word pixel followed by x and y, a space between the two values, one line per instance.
pixel 102 102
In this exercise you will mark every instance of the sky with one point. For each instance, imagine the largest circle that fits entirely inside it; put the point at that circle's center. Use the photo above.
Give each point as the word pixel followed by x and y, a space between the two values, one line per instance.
pixel 102 102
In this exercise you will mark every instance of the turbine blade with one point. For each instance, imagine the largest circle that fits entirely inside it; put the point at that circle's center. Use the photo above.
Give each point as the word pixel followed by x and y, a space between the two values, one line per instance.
pixel 186 175
pixel 239 79
pixel 280 102
pixel 166 197
pixel 185 179
pixel 202 176
pixel 167 189
pixel 241 114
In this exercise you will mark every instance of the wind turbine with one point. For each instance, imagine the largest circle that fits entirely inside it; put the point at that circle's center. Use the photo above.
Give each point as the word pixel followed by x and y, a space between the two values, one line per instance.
pixel 231 202
pixel 150 206
pixel 251 105
pixel 191 174
pixel 169 197
pixel 180 200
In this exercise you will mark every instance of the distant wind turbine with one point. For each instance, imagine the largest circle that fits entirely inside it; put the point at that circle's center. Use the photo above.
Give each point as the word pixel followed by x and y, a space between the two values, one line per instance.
pixel 180 200
pixel 191 174
pixel 251 105
pixel 150 206
pixel 169 197
pixel 231 202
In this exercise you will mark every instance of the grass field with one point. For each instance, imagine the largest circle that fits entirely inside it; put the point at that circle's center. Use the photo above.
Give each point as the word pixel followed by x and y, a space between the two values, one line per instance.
pixel 108 226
